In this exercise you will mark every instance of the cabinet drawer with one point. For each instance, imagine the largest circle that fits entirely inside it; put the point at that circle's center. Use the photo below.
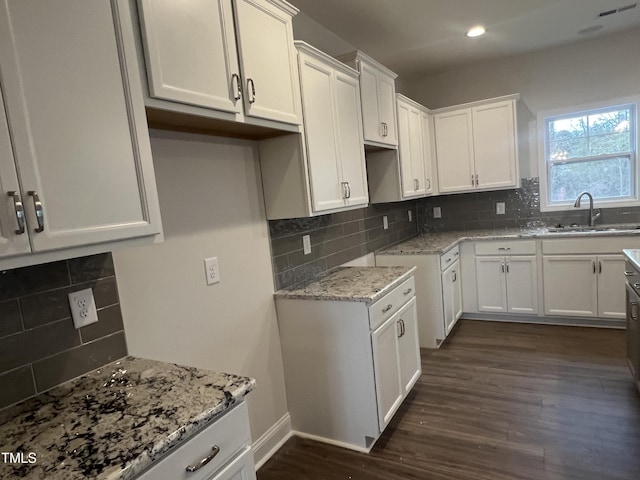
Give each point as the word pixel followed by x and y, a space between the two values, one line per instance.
pixel 506 247
pixel 449 257
pixel 604 244
pixel 230 434
pixel 391 303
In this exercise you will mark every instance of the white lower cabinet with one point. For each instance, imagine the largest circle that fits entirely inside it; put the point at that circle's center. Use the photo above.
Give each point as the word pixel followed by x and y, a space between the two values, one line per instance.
pixel 584 285
pixel 507 284
pixel 222 451
pixel 348 366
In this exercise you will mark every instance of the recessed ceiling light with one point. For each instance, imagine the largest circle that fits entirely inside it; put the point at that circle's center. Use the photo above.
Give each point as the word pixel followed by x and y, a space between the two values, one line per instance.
pixel 476 31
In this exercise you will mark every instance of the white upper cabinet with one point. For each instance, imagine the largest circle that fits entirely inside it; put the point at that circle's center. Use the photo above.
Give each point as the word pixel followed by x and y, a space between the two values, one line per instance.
pixel 231 59
pixel 476 147
pixel 378 94
pixel 77 124
pixel 323 170
pixel 404 173
pixel 428 153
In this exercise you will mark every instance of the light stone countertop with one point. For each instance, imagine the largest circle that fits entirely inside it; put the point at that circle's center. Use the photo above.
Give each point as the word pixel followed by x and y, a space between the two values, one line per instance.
pixel 114 422
pixel 633 256
pixel 438 243
pixel 351 284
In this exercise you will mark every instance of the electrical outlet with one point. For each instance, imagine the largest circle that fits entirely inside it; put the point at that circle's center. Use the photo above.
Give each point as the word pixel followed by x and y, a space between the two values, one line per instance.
pixel 385 222
pixel 83 307
pixel 211 270
pixel 500 208
pixel 306 244
pixel 437 212
pixel 410 213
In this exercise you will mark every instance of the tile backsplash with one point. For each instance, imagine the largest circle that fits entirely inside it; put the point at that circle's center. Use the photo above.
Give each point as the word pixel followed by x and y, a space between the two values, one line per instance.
pixel 39 346
pixel 469 211
pixel 335 239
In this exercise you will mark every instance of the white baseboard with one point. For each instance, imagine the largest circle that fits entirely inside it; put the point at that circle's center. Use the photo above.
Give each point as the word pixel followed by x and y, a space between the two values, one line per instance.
pixel 271 441
pixel 555 320
pixel 332 442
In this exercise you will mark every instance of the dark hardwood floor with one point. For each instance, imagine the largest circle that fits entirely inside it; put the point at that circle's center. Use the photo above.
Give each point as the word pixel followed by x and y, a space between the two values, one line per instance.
pixel 499 401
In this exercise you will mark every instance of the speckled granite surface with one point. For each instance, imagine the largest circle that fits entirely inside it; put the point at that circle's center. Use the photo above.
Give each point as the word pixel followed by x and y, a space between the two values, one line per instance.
pixel 437 243
pixel 114 422
pixel 351 284
pixel 633 256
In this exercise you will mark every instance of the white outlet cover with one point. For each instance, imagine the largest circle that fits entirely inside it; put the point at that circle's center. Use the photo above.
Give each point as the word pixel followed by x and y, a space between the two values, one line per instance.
pixel 306 244
pixel 437 212
pixel 83 307
pixel 500 208
pixel 385 222
pixel 410 215
pixel 211 270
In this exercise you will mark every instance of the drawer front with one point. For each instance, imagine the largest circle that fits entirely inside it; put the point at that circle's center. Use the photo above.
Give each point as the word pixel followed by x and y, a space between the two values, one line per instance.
pixel 391 303
pixel 594 246
pixel 230 434
pixel 449 257
pixel 506 247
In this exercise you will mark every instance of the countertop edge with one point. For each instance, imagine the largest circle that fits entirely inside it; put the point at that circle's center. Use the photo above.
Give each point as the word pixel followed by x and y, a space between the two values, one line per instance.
pixel 633 256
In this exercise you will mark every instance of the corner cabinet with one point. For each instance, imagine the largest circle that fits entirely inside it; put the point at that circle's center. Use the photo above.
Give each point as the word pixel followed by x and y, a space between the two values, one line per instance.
pixel 76 166
pixel 405 173
pixel 323 170
pixel 378 93
pixel 348 366
pixel 233 57
pixel 476 146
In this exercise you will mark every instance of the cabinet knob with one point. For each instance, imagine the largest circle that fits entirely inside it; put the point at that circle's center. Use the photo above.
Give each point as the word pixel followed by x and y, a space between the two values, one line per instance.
pixel 19 208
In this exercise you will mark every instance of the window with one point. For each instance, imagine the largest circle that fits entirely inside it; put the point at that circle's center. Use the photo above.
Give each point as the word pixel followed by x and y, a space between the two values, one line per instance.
pixel 590 150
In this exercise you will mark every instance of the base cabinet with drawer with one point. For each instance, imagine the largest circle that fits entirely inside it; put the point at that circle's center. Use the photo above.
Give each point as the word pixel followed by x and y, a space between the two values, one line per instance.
pixel 222 451
pixel 507 276
pixel 348 366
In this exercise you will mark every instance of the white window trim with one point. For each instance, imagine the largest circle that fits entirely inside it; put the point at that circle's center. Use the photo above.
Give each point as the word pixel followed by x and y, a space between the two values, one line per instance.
pixel 542 160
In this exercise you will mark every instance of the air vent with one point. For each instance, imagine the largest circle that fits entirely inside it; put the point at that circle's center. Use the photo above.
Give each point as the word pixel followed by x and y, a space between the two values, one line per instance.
pixel 606 13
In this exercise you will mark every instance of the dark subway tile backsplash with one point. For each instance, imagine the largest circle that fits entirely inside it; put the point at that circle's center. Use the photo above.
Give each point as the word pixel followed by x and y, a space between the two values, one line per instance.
pixel 39 345
pixel 335 239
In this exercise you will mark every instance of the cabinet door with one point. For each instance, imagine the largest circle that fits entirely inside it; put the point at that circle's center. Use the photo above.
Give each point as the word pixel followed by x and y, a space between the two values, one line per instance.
pixel 454 151
pixel 13 237
pixel 410 151
pixel 320 130
pixel 428 161
pixel 371 124
pixel 241 468
pixel 570 285
pixel 387 108
pixel 78 122
pixel 190 51
pixel 494 145
pixel 611 286
pixel 409 347
pixel 349 138
pixel 451 296
pixel 268 61
pixel 522 284
pixel 389 391
pixel 491 284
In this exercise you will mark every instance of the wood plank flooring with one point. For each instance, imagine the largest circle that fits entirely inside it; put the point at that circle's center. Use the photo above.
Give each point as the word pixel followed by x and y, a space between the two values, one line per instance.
pixel 499 401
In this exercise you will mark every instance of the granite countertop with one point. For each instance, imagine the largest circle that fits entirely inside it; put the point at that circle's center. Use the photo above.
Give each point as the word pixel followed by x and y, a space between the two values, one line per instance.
pixel 438 243
pixel 633 256
pixel 351 284
pixel 114 422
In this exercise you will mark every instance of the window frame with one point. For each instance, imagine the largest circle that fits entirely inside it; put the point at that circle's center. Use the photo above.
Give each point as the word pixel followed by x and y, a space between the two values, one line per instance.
pixel 546 205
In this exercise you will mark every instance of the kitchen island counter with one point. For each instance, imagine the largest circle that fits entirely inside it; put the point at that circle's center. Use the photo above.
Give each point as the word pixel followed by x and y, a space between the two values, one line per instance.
pixel 115 421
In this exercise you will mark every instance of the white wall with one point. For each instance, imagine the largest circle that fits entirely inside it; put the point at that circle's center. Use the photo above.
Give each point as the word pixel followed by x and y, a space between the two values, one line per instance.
pixel 211 201
pixel 579 73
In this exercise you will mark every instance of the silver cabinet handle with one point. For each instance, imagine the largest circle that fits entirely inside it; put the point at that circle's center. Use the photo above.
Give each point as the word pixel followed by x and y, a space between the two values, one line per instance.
pixel 404 330
pixel 599 266
pixel 252 89
pixel 428 184
pixel 19 208
pixel 387 308
pixel 37 205
pixel 407 291
pixel 416 184
pixel 507 265
pixel 214 451
pixel 504 248
pixel 477 180
pixel 627 273
pixel 382 129
pixel 593 264
pixel 385 130
pixel 399 325
pixel 473 181
pixel 502 267
pixel 455 276
pixel 348 190
pixel 235 81
pixel 636 285
pixel 634 307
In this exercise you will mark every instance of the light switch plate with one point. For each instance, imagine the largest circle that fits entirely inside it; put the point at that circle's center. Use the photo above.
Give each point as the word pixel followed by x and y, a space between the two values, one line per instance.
pixel 83 307
pixel 306 244
pixel 211 270
pixel 410 213
pixel 437 212
pixel 500 208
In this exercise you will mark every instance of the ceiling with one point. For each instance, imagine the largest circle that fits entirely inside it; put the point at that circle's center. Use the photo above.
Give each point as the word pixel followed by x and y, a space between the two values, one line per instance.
pixel 416 37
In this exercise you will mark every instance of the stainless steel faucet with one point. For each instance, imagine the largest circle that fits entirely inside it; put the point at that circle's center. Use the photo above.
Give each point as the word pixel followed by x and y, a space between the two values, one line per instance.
pixel 592 217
